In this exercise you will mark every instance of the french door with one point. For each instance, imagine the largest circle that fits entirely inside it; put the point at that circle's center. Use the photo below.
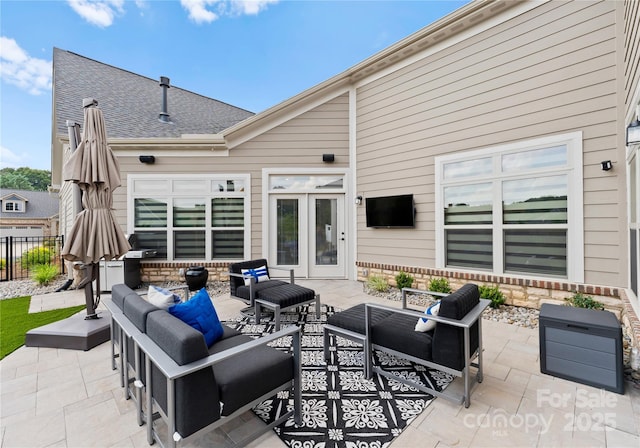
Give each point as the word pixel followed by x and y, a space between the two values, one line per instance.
pixel 307 233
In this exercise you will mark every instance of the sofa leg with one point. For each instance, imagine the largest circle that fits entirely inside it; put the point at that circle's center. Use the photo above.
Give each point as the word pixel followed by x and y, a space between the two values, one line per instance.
pixel 297 380
pixel 327 340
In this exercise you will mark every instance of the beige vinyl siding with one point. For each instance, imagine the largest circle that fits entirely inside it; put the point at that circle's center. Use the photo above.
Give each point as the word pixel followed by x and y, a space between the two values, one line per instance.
pixel 548 71
pixel 299 142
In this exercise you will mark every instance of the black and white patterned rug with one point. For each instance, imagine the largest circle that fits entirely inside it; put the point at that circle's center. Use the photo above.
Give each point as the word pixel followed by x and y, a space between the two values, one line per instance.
pixel 341 408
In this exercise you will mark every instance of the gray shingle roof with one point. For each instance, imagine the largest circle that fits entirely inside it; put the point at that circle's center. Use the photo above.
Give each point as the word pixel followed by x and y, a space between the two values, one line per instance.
pixel 40 204
pixel 131 103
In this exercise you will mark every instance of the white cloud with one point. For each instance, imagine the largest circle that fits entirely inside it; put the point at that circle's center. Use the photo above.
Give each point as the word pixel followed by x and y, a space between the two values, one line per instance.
pixel 19 69
pixel 200 11
pixel 98 12
pixel 8 159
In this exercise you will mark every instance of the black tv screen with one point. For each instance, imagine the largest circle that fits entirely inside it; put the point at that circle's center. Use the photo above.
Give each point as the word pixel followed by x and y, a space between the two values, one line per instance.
pixel 390 211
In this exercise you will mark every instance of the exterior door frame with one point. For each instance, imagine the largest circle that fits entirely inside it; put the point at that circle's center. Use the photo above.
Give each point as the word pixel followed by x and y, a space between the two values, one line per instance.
pixel 267 218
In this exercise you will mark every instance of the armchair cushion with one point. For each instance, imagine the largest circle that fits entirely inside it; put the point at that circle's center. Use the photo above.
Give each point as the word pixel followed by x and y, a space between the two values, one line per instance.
pixel 236 268
pixel 396 332
pixel 448 341
pixel 201 315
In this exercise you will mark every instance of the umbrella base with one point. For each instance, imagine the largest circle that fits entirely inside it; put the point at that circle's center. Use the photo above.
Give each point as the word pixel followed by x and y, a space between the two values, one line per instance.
pixel 78 332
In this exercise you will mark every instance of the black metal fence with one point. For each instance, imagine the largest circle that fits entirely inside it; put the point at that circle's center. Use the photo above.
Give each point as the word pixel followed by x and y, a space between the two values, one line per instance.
pixel 19 254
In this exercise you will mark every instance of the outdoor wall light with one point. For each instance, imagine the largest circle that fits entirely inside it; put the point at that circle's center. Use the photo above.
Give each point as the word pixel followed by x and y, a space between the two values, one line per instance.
pixel 606 165
pixel 328 158
pixel 358 200
pixel 633 132
pixel 148 159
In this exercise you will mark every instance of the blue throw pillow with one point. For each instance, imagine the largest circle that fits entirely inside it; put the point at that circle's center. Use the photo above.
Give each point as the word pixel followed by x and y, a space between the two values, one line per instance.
pixel 201 315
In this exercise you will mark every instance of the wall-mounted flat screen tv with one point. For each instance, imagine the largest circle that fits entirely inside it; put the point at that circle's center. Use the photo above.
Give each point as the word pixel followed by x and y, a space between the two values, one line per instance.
pixel 390 211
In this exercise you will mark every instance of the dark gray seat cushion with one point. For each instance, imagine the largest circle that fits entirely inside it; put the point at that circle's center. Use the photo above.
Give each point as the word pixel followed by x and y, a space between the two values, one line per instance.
pixel 397 332
pixel 286 295
pixel 242 291
pixel 352 319
pixel 448 341
pixel 119 293
pixel 196 394
pixel 136 310
pixel 239 385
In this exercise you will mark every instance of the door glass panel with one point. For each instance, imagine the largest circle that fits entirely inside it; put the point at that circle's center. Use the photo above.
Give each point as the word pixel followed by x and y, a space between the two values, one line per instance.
pixel 326 232
pixel 288 236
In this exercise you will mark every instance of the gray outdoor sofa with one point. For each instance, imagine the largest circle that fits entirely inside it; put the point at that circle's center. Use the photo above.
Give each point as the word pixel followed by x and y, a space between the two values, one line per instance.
pixel 192 387
pixel 454 346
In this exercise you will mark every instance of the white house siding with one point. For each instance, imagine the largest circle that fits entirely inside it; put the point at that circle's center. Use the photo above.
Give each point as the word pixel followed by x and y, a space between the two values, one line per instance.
pixel 551 70
pixel 299 142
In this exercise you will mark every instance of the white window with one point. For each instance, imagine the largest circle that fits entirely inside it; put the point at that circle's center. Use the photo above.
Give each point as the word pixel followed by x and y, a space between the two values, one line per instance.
pixel 13 206
pixel 514 209
pixel 191 218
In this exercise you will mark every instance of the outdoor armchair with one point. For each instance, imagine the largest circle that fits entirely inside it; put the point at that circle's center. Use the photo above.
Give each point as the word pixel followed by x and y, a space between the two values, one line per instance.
pixel 251 282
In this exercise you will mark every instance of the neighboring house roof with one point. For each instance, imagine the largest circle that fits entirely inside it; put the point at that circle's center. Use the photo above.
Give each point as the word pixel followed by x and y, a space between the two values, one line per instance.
pixel 131 103
pixel 39 204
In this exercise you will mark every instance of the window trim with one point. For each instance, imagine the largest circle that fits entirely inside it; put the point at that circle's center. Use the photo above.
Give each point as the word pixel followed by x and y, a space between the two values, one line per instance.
pixel 13 202
pixel 575 199
pixel 246 194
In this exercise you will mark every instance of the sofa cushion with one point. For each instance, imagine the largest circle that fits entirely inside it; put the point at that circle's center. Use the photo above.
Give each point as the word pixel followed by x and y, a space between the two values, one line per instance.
pixel 162 298
pixel 238 385
pixel 118 294
pixel 201 315
pixel 426 324
pixel 181 342
pixel 196 394
pixel 136 310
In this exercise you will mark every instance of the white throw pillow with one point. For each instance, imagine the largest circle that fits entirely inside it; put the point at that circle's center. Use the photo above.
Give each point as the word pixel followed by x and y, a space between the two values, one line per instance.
pixel 425 324
pixel 260 274
pixel 161 297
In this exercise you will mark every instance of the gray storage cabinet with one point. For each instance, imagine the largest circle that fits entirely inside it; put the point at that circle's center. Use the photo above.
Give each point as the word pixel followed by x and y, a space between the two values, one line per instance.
pixel 581 345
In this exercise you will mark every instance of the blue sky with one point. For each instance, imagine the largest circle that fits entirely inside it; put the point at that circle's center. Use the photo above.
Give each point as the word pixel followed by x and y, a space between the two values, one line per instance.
pixel 252 54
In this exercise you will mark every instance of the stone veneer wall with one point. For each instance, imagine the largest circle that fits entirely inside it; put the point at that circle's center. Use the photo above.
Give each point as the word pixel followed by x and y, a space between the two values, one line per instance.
pixel 156 273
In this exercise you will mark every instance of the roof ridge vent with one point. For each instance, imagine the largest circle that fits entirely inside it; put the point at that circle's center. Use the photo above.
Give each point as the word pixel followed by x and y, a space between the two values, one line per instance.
pixel 164 113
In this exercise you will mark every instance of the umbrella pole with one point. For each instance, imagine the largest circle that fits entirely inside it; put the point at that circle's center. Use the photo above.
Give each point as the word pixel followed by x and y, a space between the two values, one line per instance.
pixel 88 293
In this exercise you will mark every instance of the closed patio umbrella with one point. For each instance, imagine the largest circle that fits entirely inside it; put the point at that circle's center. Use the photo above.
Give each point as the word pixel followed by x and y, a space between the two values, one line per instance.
pixel 95 234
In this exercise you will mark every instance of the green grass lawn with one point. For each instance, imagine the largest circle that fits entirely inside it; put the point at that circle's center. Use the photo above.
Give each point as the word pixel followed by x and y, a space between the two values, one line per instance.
pixel 15 321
